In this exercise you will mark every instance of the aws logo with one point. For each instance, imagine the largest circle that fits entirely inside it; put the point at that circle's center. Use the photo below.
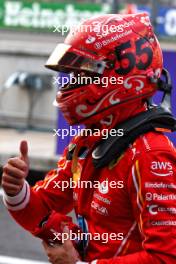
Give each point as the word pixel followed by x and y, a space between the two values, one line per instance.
pixel 161 168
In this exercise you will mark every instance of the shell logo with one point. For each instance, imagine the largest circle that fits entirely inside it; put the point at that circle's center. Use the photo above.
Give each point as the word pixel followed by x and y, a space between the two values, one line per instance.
pixel 61 163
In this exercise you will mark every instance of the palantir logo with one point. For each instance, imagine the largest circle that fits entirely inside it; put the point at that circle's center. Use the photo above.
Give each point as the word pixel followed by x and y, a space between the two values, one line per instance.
pixel 161 168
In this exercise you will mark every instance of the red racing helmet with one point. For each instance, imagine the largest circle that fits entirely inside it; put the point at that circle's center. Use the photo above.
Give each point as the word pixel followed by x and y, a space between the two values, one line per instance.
pixel 121 49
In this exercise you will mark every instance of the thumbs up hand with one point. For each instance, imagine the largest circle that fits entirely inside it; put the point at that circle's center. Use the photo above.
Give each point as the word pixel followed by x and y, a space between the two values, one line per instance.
pixel 15 171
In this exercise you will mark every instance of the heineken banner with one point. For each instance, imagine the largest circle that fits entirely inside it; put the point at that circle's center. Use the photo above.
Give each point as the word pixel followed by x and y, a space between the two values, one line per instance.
pixel 44 16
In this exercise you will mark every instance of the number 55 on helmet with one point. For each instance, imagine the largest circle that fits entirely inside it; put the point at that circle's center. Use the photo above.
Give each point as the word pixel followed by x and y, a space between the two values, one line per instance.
pixel 109 46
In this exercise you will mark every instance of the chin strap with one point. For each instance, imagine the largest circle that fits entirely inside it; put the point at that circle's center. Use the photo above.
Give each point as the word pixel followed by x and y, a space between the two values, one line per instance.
pixel 157 118
pixel 166 87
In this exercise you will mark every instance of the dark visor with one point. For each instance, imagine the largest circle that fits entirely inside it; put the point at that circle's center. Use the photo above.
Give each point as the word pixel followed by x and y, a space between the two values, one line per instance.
pixel 62 59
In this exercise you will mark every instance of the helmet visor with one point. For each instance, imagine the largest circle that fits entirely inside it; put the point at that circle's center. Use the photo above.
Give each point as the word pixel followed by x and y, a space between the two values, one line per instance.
pixel 66 59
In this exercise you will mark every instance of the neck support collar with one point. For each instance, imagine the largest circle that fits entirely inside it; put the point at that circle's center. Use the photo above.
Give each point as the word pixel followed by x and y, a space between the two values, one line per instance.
pixel 156 118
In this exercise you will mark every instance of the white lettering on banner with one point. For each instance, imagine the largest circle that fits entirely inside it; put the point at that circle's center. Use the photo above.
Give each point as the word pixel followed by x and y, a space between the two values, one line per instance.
pixel 160 197
pixel 35 16
pixel 164 169
pixel 160 185
pixel 170 22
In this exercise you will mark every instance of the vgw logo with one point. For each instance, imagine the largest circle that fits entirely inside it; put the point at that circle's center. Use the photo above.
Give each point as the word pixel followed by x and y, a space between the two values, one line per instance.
pixel 161 168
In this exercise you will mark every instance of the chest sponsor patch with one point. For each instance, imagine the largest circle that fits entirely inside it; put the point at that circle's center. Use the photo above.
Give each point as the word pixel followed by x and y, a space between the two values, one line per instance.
pixel 161 168
pixel 155 209
pixel 160 197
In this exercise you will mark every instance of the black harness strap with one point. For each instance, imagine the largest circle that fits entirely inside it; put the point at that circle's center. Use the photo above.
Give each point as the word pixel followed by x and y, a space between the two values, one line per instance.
pixel 113 147
pixel 155 117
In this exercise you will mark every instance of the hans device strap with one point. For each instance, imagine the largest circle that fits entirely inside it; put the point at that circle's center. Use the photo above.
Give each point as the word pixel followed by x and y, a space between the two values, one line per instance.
pixel 157 117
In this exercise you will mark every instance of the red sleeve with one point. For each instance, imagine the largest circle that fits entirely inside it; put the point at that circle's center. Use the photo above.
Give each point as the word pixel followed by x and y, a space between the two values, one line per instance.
pixel 30 206
pixel 152 191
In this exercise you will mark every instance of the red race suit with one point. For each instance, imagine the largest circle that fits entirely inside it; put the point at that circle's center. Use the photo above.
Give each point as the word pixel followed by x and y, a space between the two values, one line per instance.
pixel 134 214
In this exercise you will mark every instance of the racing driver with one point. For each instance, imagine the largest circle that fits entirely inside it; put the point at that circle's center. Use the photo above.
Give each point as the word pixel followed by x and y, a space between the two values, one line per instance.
pixel 140 208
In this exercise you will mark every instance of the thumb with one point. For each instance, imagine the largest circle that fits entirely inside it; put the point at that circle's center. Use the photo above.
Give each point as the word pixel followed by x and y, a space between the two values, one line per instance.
pixel 24 150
